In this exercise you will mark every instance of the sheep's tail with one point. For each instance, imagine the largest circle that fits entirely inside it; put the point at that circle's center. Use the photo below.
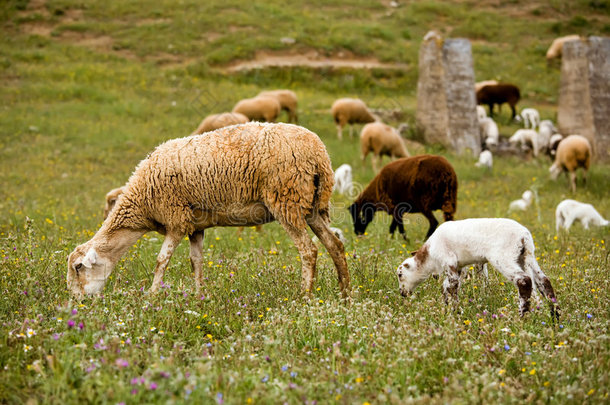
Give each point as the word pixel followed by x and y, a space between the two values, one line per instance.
pixel 323 182
pixel 540 280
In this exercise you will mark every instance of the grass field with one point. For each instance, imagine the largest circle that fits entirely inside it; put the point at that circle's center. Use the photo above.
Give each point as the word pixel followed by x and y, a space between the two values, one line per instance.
pixel 89 88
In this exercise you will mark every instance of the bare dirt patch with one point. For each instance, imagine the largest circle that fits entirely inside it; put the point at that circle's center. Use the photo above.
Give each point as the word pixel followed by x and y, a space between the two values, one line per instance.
pixel 312 59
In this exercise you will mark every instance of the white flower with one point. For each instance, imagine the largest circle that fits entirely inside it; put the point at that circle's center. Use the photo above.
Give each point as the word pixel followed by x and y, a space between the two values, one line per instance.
pixel 30 332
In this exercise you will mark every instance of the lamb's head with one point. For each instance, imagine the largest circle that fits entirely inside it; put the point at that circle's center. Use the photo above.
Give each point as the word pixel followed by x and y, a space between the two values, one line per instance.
pixel 555 171
pixel 87 270
pixel 362 215
pixel 412 271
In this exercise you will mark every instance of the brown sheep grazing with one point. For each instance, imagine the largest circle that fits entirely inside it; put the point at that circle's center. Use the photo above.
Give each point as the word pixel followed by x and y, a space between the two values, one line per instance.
pixel 421 183
pixel 261 108
pixel 216 121
pixel 350 111
pixel 382 140
pixel 288 102
pixel 498 94
pixel 556 48
pixel 573 152
pixel 239 175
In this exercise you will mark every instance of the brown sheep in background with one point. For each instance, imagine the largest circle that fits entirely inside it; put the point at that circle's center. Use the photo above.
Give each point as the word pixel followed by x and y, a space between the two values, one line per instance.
pixel 382 140
pixel 288 102
pixel 573 152
pixel 261 108
pixel 239 175
pixel 350 111
pixel 498 94
pixel 421 184
pixel 556 48
pixel 216 121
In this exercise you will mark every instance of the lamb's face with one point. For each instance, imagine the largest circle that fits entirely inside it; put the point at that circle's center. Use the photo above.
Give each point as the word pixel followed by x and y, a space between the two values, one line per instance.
pixel 87 271
pixel 408 276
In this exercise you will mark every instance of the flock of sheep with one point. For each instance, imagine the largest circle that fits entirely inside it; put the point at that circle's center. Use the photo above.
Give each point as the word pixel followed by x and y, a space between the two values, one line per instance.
pixel 233 172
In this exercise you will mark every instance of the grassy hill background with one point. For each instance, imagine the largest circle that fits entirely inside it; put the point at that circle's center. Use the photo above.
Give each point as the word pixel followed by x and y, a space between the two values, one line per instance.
pixel 89 88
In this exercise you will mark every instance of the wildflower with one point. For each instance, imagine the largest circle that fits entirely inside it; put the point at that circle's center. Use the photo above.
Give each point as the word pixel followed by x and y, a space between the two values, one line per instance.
pixel 71 323
pixel 30 332
pixel 501 372
pixel 153 386
pixel 265 379
pixel 359 380
pixel 506 347
pixel 121 363
pixel 466 322
pixel 27 348
pixel 589 316
pixel 591 391
pixel 533 371
pixel 81 326
pixel 219 398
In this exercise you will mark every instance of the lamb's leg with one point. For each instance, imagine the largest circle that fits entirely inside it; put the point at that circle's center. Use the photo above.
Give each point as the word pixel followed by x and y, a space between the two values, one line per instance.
pixel 319 225
pixel 451 284
pixel 433 222
pixel 309 253
pixel 543 284
pixel 517 275
pixel 196 241
pixel 170 243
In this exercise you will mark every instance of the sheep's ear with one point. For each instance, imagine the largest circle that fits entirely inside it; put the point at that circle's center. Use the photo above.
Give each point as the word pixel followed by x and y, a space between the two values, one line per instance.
pixel 413 253
pixel 90 258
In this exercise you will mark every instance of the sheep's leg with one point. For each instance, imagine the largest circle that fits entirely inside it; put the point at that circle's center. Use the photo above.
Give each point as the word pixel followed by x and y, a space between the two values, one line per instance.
pixel 514 112
pixel 339 131
pixel 433 222
pixel 543 284
pixel 319 225
pixel 516 274
pixel 351 131
pixel 374 162
pixel 491 110
pixel 573 181
pixel 170 243
pixel 397 222
pixel 451 285
pixel 196 241
pixel 309 253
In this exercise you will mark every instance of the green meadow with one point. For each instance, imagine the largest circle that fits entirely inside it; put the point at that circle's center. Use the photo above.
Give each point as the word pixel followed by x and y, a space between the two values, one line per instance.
pixel 88 89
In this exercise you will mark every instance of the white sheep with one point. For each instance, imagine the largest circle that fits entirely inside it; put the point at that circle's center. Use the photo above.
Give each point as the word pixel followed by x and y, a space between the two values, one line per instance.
pixel 260 108
pixel 546 130
pixel 288 102
pixel 523 203
pixel 554 144
pixel 241 175
pixel 216 121
pixel 569 211
pixel 573 152
pixel 479 85
pixel 505 244
pixel 489 131
pixel 481 113
pixel 381 140
pixel 556 48
pixel 525 137
pixel 343 179
pixel 531 118
pixel 485 160
pixel 351 111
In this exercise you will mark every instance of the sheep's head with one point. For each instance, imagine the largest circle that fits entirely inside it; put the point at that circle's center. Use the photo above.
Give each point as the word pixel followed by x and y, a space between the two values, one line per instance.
pixel 362 215
pixel 555 170
pixel 411 272
pixel 87 271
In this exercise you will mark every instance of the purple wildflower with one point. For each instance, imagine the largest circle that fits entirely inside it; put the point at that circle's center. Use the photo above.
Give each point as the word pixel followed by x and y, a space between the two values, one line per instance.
pixel 153 386
pixel 71 323
pixel 121 363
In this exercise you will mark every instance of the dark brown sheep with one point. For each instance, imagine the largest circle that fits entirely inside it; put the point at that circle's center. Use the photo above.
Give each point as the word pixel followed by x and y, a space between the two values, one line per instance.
pixel 498 94
pixel 421 183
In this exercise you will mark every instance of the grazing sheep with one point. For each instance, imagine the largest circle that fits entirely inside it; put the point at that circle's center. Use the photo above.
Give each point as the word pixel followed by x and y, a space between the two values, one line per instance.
pixel 381 139
pixel 260 108
pixel 481 114
pixel 350 111
pixel 479 85
pixel 240 175
pixel 498 94
pixel 216 121
pixel 556 48
pixel 546 130
pixel 489 132
pixel 485 160
pixel 504 243
pixel 111 198
pixel 573 152
pixel 531 118
pixel 288 102
pixel 422 183
pixel 569 211
pixel 523 203
pixel 343 179
pixel 554 144
pixel 525 137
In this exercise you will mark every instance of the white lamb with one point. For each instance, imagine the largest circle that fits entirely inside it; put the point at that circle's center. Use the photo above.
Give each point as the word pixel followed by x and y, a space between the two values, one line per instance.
pixel 523 203
pixel 546 130
pixel 531 118
pixel 485 160
pixel 524 137
pixel 504 243
pixel 569 211
pixel 481 113
pixel 489 131
pixel 343 179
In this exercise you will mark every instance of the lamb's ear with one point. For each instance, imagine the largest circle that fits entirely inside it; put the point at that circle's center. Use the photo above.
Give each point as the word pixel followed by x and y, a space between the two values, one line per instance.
pixel 413 253
pixel 90 258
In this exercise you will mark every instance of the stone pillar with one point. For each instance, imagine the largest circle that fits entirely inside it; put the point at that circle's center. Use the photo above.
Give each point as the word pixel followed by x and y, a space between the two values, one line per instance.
pixel 584 95
pixel 446 102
